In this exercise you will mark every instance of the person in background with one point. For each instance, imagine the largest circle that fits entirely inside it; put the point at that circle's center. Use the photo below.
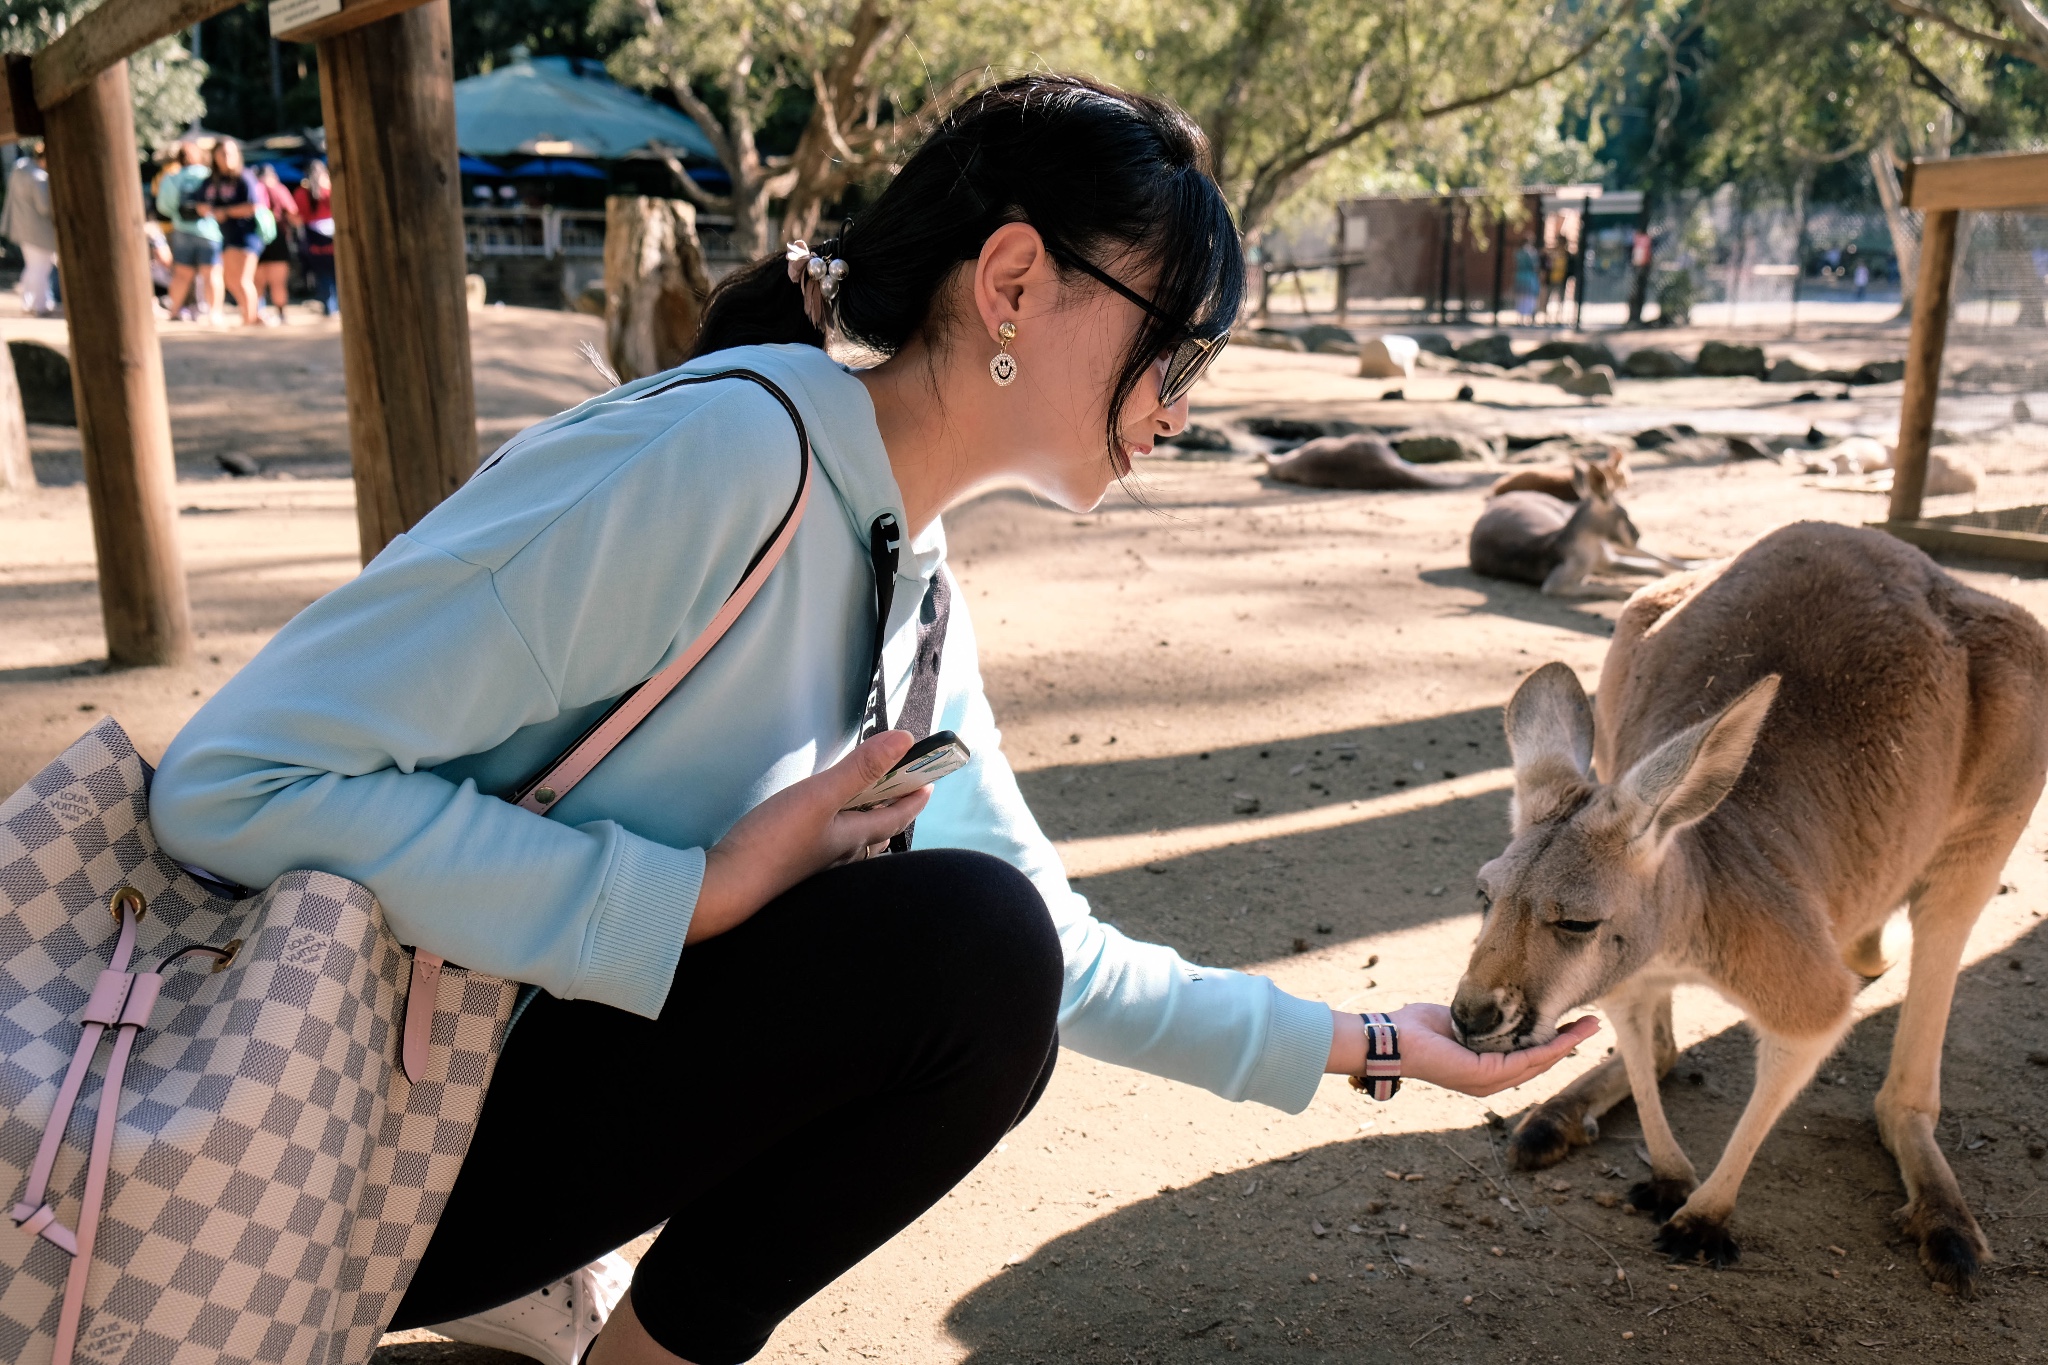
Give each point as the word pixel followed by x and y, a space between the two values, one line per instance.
pixel 231 197
pixel 26 222
pixel 315 200
pixel 160 263
pixel 274 266
pixel 1862 280
pixel 1527 270
pixel 195 240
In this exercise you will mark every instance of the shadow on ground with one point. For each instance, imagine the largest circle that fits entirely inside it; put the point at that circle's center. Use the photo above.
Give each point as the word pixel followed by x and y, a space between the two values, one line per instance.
pixel 1327 1255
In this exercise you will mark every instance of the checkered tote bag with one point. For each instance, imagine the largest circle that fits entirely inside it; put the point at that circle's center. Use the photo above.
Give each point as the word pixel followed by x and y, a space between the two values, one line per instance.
pixel 268 1177
pixel 288 1094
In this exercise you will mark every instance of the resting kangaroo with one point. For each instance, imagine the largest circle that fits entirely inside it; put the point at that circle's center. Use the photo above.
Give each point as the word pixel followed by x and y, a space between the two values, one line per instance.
pixel 1788 747
pixel 1535 538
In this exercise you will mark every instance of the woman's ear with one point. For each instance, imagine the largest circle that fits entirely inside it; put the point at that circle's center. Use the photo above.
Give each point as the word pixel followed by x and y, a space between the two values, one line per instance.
pixel 1012 274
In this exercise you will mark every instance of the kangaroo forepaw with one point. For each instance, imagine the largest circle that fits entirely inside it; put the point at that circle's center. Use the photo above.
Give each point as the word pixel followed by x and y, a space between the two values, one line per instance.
pixel 1547 1135
pixel 1953 1251
pixel 1688 1237
pixel 1662 1197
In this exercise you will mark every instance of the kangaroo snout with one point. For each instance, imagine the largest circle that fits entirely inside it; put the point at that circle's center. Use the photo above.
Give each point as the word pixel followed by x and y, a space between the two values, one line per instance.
pixel 1478 1014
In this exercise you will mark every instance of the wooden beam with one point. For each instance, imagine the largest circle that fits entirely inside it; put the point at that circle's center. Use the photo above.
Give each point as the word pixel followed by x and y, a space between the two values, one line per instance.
pixel 388 92
pixel 117 371
pixel 2014 181
pixel 1923 362
pixel 112 33
pixel 308 21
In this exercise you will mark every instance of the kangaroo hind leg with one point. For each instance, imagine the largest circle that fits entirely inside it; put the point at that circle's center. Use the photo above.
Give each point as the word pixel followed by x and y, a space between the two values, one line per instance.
pixel 1953 1249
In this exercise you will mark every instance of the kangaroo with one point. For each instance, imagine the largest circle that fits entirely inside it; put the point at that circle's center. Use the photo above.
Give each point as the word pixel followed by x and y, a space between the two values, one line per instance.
pixel 1560 481
pixel 1355 462
pixel 1788 747
pixel 1534 538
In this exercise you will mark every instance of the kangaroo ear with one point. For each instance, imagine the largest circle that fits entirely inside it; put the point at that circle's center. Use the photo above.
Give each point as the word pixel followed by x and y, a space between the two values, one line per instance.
pixel 1688 775
pixel 1550 738
pixel 1580 478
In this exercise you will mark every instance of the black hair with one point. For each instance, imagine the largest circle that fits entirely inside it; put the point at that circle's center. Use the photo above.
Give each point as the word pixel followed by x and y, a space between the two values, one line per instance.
pixel 1101 173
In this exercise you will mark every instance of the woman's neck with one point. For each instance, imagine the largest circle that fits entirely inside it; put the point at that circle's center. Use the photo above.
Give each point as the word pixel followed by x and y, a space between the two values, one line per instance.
pixel 938 450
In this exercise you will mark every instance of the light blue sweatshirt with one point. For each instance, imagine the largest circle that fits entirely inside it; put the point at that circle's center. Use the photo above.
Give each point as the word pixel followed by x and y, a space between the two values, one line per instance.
pixel 373 735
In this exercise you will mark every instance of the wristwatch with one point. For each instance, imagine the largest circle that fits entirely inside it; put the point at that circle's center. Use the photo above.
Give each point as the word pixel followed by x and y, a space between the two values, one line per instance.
pixel 1382 1076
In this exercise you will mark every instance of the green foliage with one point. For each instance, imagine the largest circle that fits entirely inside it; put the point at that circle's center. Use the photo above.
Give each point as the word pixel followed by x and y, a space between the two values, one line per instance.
pixel 162 77
pixel 1300 97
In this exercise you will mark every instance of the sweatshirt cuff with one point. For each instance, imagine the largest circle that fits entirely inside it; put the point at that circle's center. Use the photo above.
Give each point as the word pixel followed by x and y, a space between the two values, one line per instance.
pixel 1297 1049
pixel 637 939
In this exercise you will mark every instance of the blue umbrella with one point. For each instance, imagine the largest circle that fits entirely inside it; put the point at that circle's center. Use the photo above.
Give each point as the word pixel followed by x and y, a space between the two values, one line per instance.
pixel 547 167
pixel 470 165
pixel 565 106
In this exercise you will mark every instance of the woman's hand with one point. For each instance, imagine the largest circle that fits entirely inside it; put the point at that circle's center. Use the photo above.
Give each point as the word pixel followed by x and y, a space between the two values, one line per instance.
pixel 1430 1051
pixel 799 832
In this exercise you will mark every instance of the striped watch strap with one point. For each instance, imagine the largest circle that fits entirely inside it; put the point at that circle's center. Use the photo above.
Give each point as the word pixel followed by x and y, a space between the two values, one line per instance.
pixel 1382 1077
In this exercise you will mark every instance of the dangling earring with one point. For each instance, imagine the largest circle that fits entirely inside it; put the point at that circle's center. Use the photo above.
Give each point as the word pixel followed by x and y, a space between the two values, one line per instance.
pixel 1003 368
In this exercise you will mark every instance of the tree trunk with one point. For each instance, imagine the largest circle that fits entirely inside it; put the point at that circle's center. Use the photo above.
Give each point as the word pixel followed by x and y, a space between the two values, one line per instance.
pixel 654 283
pixel 387 89
pixel 17 471
pixel 1884 169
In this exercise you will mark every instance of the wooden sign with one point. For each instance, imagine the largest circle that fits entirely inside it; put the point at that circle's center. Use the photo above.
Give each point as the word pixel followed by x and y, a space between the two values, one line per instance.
pixel 2015 181
pixel 308 21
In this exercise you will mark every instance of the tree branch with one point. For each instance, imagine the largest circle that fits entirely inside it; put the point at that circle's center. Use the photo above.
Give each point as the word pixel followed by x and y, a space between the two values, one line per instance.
pixel 1910 10
pixel 692 191
pixel 1267 183
pixel 2032 24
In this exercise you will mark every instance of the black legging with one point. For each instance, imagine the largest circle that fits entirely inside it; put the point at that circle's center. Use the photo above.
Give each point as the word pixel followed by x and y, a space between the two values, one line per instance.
pixel 858 1045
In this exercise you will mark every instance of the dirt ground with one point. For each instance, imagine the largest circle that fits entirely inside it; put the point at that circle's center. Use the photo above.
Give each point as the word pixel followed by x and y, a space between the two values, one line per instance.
pixel 1207 634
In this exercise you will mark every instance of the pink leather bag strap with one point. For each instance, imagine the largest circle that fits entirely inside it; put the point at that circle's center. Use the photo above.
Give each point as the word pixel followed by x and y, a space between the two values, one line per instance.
pixel 558 779
pixel 120 1000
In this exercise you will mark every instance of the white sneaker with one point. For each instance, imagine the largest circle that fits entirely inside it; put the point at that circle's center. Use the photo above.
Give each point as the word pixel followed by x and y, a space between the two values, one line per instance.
pixel 556 1323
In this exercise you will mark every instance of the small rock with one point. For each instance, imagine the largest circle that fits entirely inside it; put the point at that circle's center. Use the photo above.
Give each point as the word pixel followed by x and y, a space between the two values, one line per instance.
pixel 1269 338
pixel 44 376
pixel 1391 356
pixel 1195 436
pixel 1816 437
pixel 2037 1058
pixel 1496 349
pixel 1394 396
pixel 1244 803
pixel 1879 372
pixel 1654 362
pixel 1325 339
pixel 238 464
pixel 2037 1149
pixel 1585 354
pixel 1301 945
pixel 1727 359
pixel 1656 438
pixel 2020 411
pixel 1285 428
pixel 1807 396
pixel 1465 393
pixel 1441 447
pixel 1605 1200
pixel 1749 448
pixel 1795 368
pixel 1563 372
pixel 1436 343
pixel 1597 382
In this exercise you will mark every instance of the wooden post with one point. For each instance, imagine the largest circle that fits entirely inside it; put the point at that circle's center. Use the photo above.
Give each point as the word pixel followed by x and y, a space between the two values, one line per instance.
pixel 388 92
pixel 1923 361
pixel 17 470
pixel 117 371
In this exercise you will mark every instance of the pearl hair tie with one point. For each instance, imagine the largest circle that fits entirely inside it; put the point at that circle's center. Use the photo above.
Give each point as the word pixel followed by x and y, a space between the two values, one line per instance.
pixel 819 276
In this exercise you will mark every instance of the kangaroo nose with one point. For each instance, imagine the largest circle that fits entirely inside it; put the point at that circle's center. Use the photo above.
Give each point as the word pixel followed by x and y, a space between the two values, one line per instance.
pixel 1476 1018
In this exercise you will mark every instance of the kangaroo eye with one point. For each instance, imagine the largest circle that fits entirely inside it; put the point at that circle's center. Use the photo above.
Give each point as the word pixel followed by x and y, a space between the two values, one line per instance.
pixel 1485 901
pixel 1578 926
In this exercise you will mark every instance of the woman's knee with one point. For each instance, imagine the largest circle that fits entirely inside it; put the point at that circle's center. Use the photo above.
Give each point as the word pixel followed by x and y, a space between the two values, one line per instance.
pixel 986 929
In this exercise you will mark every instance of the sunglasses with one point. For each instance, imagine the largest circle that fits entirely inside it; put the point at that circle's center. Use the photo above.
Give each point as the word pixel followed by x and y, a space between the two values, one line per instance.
pixel 1189 357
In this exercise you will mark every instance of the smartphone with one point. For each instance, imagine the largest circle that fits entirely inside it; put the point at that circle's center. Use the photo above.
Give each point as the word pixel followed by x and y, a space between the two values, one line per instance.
pixel 929 760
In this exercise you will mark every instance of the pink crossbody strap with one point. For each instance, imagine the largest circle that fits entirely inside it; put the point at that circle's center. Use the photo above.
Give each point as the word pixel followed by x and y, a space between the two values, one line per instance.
pixel 120 1000
pixel 559 778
